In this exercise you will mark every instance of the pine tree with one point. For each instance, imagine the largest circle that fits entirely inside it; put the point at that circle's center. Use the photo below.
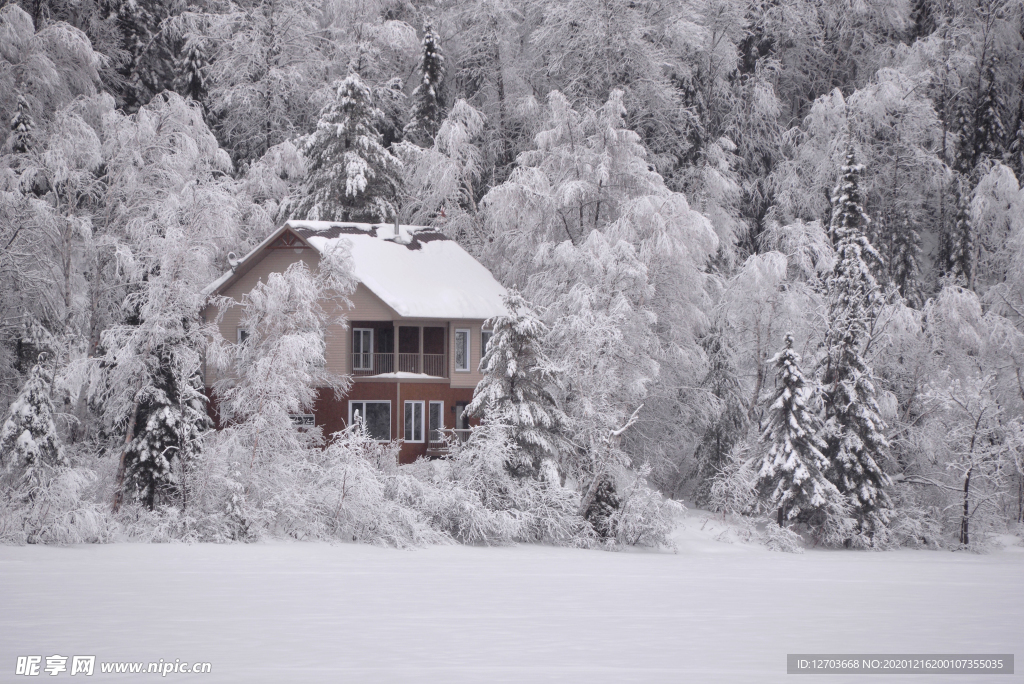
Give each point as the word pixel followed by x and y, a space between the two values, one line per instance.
pixel 1015 148
pixel 854 430
pixel 22 126
pixel 352 177
pixel 191 66
pixel 169 424
pixel 960 245
pixel 428 109
pixel 728 428
pixel 514 389
pixel 905 262
pixel 792 478
pixel 28 438
pixel 989 132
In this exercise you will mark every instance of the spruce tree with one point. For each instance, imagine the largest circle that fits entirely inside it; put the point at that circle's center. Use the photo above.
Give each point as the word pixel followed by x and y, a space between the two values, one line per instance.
pixel 792 479
pixel 191 66
pixel 28 438
pixel 854 430
pixel 989 132
pixel 514 389
pixel 22 126
pixel 352 176
pixel 428 109
pixel 1015 148
pixel 731 423
pixel 169 423
pixel 960 245
pixel 905 262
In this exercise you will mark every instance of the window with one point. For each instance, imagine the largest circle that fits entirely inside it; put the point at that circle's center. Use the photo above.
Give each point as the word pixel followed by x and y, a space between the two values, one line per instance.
pixel 436 421
pixel 462 350
pixel 375 414
pixel 414 421
pixel 362 349
pixel 243 335
pixel 485 339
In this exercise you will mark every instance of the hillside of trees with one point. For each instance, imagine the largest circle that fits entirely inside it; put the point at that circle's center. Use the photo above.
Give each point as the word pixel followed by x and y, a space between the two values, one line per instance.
pixel 766 256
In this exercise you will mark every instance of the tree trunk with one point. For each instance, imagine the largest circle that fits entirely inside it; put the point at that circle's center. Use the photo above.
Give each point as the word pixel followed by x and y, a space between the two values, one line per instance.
pixel 965 537
pixel 129 436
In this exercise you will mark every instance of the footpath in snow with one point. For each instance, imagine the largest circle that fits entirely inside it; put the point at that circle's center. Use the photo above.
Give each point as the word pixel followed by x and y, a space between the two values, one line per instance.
pixel 719 610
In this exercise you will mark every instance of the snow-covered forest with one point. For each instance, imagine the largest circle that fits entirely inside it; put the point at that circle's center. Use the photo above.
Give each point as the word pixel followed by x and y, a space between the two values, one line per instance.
pixel 765 257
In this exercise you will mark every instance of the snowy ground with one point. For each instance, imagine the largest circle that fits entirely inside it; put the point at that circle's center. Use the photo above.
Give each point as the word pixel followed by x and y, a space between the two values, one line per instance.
pixel 310 612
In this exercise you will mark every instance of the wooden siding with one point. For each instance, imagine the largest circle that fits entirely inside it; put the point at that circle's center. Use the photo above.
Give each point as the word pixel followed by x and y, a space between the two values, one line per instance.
pixel 366 306
pixel 473 376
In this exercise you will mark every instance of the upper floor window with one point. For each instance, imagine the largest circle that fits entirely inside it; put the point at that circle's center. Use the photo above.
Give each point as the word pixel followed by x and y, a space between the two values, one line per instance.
pixel 461 350
pixel 362 349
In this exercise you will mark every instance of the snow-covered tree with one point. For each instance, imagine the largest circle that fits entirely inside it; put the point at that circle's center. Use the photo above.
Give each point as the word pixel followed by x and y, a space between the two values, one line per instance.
pixel 516 389
pixel 729 422
pixel 854 429
pixel 351 175
pixel 192 66
pixel 428 108
pixel 279 369
pixel 442 181
pixel 21 128
pixel 29 442
pixel 960 241
pixel 791 479
pixel 905 261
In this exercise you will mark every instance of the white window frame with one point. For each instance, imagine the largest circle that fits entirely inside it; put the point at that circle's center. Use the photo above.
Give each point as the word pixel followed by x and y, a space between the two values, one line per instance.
pixel 441 414
pixel 351 406
pixel 239 331
pixel 485 342
pixel 363 353
pixel 468 348
pixel 405 414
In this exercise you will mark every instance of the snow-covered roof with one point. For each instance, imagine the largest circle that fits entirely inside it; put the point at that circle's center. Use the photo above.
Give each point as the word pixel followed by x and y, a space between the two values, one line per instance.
pixel 419 273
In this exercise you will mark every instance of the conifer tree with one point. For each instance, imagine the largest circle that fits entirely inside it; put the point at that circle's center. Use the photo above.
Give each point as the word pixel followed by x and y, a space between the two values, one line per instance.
pixel 960 246
pixel 169 423
pixel 792 479
pixel 22 126
pixel 191 67
pixel 854 430
pixel 728 428
pixel 352 176
pixel 989 132
pixel 514 389
pixel 905 262
pixel 428 109
pixel 28 438
pixel 1015 148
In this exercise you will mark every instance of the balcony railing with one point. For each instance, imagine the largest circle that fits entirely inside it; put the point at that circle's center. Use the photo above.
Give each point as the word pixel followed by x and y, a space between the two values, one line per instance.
pixel 365 365
pixel 440 439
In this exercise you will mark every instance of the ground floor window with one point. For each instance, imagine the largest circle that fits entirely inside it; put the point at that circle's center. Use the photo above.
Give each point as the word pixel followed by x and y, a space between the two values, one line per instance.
pixel 414 421
pixel 436 424
pixel 376 415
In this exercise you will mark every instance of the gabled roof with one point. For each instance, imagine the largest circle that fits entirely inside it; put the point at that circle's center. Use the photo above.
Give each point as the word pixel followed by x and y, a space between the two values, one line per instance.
pixel 419 273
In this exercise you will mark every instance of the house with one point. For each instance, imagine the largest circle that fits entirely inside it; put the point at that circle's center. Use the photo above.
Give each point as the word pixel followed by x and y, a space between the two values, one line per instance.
pixel 415 328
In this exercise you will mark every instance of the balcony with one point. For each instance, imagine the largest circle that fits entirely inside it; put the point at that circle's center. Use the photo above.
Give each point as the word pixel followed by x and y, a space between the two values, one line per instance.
pixel 440 440
pixel 369 365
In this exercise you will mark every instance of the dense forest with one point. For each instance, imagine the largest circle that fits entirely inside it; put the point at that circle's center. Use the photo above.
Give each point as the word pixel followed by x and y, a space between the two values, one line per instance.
pixel 766 256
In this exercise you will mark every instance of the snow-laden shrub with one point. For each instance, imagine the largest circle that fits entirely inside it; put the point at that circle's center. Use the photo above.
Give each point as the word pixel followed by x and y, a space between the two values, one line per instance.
pixel 644 517
pixel 733 489
pixel 784 539
pixel 50 508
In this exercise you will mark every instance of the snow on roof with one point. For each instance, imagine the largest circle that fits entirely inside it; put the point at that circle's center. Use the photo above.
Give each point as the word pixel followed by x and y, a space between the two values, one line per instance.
pixel 419 273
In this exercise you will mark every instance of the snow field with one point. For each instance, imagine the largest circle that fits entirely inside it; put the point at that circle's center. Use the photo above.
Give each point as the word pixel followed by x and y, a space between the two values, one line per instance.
pixel 312 612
